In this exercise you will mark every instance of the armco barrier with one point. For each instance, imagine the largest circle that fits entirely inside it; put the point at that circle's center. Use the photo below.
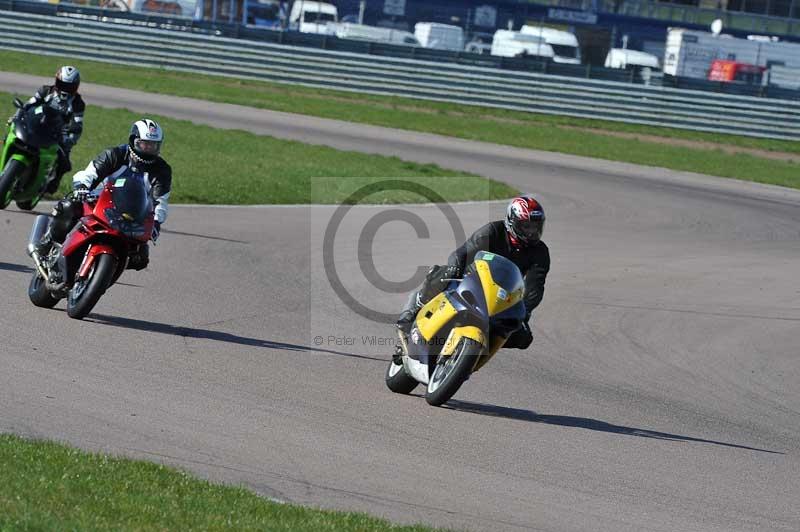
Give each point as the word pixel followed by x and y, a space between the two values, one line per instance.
pixel 326 42
pixel 448 82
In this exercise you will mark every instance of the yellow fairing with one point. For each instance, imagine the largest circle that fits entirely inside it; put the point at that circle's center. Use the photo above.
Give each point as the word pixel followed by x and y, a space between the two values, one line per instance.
pixel 497 343
pixel 494 303
pixel 434 315
pixel 457 333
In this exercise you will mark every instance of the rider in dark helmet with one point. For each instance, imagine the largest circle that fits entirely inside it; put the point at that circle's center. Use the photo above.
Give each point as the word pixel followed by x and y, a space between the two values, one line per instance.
pixel 63 95
pixel 517 238
pixel 142 154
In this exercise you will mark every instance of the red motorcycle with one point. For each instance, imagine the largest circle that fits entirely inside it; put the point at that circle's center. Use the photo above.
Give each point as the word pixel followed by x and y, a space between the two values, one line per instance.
pixel 111 236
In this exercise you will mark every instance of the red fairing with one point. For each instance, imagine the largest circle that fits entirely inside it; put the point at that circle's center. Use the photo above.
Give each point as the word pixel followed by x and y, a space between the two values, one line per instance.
pixel 93 223
pixel 95 235
pixel 92 253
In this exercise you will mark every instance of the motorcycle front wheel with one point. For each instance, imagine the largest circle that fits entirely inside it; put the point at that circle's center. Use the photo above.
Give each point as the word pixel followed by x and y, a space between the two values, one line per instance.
pixel 8 178
pixel 451 372
pixel 86 292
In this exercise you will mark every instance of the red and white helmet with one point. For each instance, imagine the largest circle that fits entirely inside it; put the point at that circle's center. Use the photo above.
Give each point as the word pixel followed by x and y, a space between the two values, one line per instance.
pixel 524 221
pixel 68 79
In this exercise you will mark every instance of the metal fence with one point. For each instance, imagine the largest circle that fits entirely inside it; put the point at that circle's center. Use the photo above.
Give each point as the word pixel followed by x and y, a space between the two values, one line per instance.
pixel 447 82
pixel 326 42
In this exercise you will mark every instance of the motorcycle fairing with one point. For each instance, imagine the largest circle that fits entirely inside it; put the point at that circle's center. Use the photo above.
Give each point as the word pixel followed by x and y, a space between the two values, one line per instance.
pixel 487 300
pixel 123 207
pixel 29 140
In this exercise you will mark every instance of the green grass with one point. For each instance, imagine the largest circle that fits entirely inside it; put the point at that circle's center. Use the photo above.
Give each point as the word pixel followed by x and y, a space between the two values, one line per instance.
pixel 527 130
pixel 235 167
pixel 48 486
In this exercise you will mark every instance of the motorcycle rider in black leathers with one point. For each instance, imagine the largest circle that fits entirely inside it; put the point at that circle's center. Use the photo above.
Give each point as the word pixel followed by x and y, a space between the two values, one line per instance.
pixel 517 238
pixel 141 154
pixel 62 95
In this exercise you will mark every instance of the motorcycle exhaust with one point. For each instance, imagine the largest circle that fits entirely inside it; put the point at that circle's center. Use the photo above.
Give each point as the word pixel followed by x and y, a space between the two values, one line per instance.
pixel 40 225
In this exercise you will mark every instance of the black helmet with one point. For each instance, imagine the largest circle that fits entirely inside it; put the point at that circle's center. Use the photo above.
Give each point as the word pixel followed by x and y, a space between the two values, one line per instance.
pixel 524 221
pixel 68 79
pixel 145 139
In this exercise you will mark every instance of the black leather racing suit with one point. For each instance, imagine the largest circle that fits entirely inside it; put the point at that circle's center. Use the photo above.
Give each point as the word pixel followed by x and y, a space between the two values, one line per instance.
pixel 112 163
pixel 72 110
pixel 533 261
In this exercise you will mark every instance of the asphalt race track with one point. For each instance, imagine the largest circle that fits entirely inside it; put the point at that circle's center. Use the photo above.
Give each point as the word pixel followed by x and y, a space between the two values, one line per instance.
pixel 662 391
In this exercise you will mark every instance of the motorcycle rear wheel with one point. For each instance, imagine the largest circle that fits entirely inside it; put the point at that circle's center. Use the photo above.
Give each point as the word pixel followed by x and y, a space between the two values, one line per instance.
pixel 85 293
pixel 451 372
pixel 398 380
pixel 39 294
pixel 8 178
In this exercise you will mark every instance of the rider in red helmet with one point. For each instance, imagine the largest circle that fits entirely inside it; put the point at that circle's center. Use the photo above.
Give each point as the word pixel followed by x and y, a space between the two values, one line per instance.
pixel 518 238
pixel 63 95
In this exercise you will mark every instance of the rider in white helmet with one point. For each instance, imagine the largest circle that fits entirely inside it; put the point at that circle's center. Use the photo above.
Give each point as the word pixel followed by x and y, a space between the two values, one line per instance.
pixel 142 153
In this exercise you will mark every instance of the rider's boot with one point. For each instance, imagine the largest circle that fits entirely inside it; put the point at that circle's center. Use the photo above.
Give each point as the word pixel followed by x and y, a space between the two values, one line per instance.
pixel 409 314
pixel 53 184
pixel 397 356
pixel 63 165
pixel 64 216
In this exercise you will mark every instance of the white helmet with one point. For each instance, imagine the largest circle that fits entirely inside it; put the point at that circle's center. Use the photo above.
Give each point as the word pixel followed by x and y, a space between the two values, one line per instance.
pixel 145 139
pixel 68 79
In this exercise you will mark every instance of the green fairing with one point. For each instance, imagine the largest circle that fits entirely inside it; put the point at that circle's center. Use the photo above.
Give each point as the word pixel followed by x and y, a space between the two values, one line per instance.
pixel 32 190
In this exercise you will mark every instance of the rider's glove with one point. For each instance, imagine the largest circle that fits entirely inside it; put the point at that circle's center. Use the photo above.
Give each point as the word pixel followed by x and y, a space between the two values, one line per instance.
pixel 156 231
pixel 452 272
pixel 66 144
pixel 80 193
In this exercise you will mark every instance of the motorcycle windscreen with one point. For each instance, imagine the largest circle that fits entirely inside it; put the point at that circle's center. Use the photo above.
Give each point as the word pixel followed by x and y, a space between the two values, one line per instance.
pixel 501 281
pixel 132 205
pixel 41 126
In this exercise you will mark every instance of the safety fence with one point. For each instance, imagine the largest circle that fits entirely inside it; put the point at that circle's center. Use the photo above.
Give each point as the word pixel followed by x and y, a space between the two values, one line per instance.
pixel 430 80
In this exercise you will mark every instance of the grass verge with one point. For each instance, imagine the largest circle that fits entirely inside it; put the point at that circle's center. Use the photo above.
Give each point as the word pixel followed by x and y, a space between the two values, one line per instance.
pixel 235 167
pixel 48 486
pixel 707 153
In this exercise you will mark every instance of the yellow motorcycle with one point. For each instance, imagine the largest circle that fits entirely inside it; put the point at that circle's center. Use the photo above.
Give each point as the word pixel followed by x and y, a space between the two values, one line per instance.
pixel 459 330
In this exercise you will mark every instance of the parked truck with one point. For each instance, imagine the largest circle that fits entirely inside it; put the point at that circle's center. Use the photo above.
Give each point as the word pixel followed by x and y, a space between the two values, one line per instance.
pixel 691 53
pixel 564 44
pixel 362 32
pixel 309 16
pixel 507 43
pixel 440 36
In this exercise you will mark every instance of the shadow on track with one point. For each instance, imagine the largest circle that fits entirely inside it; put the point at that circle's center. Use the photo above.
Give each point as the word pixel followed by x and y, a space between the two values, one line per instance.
pixel 26 213
pixel 208 237
pixel 580 422
pixel 19 268
pixel 205 334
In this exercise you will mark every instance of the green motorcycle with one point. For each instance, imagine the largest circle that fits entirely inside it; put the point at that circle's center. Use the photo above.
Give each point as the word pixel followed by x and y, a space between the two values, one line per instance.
pixel 29 154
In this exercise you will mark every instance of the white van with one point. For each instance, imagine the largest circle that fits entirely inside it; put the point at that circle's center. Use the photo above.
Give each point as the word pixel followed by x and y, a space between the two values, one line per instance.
pixel 565 44
pixel 308 16
pixel 440 36
pixel 362 32
pixel 507 43
pixel 624 58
